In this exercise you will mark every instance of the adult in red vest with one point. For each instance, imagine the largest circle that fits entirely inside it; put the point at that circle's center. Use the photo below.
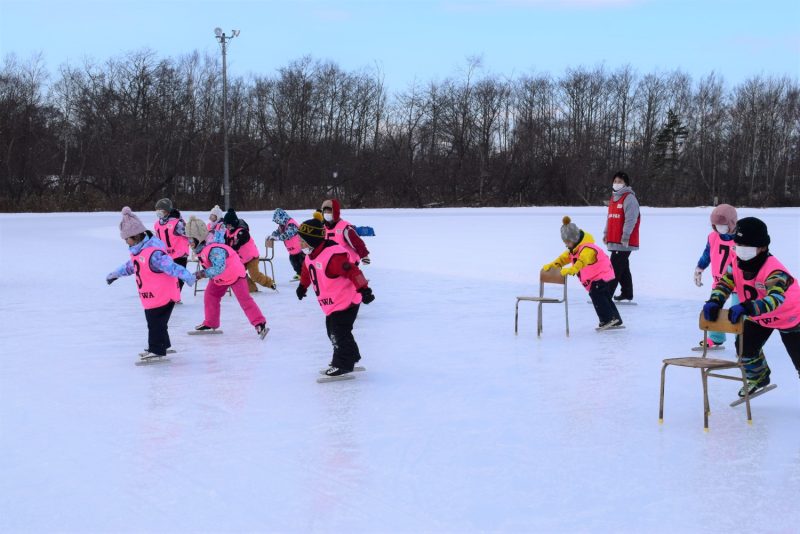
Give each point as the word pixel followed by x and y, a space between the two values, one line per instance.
pixel 340 288
pixel 621 234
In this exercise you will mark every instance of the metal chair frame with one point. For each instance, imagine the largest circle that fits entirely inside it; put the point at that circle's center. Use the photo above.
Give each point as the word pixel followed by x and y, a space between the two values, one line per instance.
pixel 269 255
pixel 707 365
pixel 551 276
pixel 197 289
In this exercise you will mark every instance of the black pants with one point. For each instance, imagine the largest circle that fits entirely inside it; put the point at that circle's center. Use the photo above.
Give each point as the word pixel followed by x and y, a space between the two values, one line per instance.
pixel 600 292
pixel 622 273
pixel 755 336
pixel 297 261
pixel 182 262
pixel 340 331
pixel 157 334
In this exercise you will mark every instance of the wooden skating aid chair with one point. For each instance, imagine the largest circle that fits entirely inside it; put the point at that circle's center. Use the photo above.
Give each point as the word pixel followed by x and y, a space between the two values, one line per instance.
pixel 551 276
pixel 269 255
pixel 707 365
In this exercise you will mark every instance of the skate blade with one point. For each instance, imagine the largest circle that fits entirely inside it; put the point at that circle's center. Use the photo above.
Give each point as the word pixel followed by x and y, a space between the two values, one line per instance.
pixel 169 351
pixel 619 327
pixel 356 369
pixel 203 332
pixel 323 379
pixel 263 334
pixel 153 361
pixel 758 393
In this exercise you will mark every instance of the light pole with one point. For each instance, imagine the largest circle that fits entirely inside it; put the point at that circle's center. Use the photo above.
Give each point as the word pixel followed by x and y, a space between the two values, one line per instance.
pixel 226 183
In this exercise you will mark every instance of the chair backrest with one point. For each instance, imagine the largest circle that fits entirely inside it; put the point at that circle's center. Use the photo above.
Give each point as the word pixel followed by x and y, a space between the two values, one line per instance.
pixel 722 324
pixel 552 276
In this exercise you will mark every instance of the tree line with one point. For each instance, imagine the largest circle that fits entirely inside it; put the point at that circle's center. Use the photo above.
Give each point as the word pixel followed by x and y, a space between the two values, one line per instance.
pixel 138 127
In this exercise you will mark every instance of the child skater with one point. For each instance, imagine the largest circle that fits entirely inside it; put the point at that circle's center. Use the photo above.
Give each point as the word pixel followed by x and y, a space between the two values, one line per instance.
pixel 215 223
pixel 155 279
pixel 287 232
pixel 770 301
pixel 593 268
pixel 222 266
pixel 170 229
pixel 237 236
pixel 719 255
pixel 340 288
pixel 343 233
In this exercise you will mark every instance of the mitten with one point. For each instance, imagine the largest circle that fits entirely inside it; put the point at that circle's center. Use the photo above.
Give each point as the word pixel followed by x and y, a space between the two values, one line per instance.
pixel 110 279
pixel 548 266
pixel 366 295
pixel 301 292
pixel 698 276
pixel 366 261
pixel 711 311
pixel 737 312
pixel 200 274
pixel 566 271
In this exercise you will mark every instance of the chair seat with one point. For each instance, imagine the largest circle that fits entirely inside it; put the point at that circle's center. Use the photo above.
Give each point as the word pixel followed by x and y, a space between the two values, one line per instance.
pixel 541 299
pixel 701 363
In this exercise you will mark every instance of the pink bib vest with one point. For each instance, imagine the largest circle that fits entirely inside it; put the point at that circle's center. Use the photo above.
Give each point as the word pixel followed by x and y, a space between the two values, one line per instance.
pixel 336 234
pixel 155 289
pixel 616 221
pixel 333 294
pixel 246 252
pixel 722 255
pixel 177 245
pixel 292 244
pixel 599 270
pixel 214 226
pixel 234 269
pixel 787 315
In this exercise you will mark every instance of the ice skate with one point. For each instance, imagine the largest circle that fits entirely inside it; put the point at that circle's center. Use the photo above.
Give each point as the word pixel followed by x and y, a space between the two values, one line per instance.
pixel 202 329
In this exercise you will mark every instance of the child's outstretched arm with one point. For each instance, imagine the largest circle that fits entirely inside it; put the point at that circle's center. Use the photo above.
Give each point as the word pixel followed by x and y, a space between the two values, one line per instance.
pixel 126 269
pixel 587 257
pixel 557 263
pixel 162 263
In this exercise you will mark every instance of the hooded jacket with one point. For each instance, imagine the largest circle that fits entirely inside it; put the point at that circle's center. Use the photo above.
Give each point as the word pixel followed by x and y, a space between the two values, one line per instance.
pixel 351 237
pixel 630 207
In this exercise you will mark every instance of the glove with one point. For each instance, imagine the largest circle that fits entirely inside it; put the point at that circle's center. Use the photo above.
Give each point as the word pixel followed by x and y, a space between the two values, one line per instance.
pixel 566 271
pixel 711 311
pixel 301 292
pixel 110 279
pixel 737 312
pixel 698 276
pixel 366 261
pixel 200 274
pixel 625 241
pixel 366 295
pixel 548 266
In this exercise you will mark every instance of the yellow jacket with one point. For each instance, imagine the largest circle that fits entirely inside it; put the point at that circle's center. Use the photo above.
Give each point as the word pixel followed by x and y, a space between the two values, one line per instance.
pixel 587 257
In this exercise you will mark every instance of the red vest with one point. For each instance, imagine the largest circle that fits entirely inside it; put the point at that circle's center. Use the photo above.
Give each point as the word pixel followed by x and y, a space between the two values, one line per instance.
pixel 333 294
pixel 155 289
pixel 234 268
pixel 616 221
pixel 177 245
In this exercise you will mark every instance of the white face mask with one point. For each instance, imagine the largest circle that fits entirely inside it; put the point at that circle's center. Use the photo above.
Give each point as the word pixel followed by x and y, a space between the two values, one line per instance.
pixel 617 187
pixel 746 253
pixel 161 214
pixel 307 250
pixel 328 217
pixel 722 228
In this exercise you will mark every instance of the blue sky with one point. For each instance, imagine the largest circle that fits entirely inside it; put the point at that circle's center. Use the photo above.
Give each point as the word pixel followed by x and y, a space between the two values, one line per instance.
pixel 423 40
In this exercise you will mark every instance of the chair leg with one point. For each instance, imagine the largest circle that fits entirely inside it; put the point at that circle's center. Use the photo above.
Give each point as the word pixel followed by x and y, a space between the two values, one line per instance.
pixel 746 396
pixel 705 399
pixel 539 321
pixel 516 316
pixel 661 398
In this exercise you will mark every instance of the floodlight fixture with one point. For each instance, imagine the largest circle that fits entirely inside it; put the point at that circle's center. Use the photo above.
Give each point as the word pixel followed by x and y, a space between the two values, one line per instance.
pixel 218 32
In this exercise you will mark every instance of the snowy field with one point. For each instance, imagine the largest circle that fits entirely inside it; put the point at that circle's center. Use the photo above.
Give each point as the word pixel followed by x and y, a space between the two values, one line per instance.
pixel 458 425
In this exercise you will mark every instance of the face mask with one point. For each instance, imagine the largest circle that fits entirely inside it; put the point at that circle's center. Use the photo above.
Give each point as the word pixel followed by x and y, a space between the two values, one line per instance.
pixel 722 228
pixel 328 217
pixel 161 214
pixel 746 253
pixel 307 250
pixel 617 187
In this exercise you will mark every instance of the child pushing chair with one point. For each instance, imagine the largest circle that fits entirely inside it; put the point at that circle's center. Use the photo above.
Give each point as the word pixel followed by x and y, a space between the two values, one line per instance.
pixel 594 271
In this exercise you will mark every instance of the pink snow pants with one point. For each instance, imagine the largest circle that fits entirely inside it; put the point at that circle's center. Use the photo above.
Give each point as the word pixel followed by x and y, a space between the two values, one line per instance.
pixel 214 294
